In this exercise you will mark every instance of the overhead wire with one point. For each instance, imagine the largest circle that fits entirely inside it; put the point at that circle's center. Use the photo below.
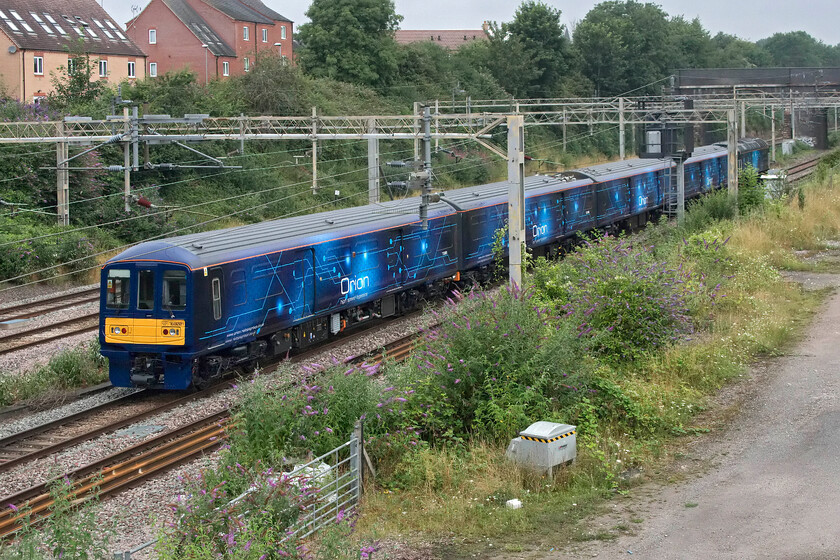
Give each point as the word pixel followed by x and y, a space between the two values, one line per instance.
pixel 215 219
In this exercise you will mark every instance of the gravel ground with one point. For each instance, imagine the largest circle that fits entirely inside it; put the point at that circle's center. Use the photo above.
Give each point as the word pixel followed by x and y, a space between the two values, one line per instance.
pixel 29 359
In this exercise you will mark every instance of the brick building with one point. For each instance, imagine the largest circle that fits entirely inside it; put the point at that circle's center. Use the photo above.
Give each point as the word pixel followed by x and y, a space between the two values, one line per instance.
pixel 213 38
pixel 447 38
pixel 37 37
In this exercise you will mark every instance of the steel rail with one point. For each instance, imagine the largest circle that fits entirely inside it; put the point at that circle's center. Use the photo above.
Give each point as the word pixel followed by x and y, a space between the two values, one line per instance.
pixel 91 322
pixel 13 313
pixel 118 471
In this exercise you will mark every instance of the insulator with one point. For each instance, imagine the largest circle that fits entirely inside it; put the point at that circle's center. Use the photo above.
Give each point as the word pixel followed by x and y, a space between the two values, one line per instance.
pixel 144 202
pixel 116 168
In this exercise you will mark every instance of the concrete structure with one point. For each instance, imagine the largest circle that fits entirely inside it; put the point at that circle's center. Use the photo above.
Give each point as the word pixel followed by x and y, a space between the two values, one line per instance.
pixel 37 37
pixel 447 38
pixel 778 81
pixel 213 38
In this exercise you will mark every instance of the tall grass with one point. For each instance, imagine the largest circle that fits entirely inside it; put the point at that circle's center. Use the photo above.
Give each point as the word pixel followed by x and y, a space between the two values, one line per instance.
pixel 69 369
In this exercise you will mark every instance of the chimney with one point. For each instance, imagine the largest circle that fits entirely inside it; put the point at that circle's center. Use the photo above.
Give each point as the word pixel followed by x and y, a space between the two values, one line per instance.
pixel 485 27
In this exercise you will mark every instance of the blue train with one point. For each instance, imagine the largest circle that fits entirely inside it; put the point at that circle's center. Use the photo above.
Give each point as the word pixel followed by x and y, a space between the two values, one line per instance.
pixel 179 312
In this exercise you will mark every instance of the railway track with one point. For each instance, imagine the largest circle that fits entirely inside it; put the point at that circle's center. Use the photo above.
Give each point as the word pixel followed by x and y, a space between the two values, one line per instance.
pixel 48 305
pixel 119 471
pixel 51 437
pixel 48 333
pixel 135 464
pixel 801 170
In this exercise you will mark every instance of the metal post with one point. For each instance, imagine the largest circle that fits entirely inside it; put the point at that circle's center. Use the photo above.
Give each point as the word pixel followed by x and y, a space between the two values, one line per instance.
pixel 242 134
pixel 564 129
pixel 732 134
pixel 743 119
pixel 621 131
pixel 62 154
pixel 135 138
pixel 437 125
pixel 127 159
pixel 516 195
pixel 357 463
pixel 373 164
pixel 314 150
pixel 680 191
pixel 417 129
pixel 425 197
pixel 792 118
pixel 773 135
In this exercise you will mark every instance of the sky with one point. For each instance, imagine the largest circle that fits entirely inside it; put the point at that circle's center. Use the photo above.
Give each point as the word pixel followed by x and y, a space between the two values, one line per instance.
pixel 748 19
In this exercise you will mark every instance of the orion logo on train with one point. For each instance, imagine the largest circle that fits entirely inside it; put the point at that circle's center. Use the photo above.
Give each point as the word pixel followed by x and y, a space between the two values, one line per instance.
pixel 350 286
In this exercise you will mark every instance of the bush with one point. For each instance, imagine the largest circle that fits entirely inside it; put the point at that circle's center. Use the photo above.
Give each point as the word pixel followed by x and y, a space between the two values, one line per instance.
pixel 624 302
pixel 751 193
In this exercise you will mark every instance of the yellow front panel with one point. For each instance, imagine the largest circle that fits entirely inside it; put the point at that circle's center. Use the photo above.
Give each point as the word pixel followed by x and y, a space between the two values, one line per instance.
pixel 144 331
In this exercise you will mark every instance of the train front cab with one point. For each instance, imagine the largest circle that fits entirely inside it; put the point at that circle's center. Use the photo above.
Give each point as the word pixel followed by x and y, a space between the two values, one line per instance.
pixel 145 320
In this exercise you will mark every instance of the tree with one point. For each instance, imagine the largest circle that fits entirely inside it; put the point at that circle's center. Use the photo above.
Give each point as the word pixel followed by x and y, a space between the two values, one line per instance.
pixel 728 51
pixel 624 46
pixel 351 41
pixel 536 31
pixel 73 87
pixel 691 45
pixel 797 48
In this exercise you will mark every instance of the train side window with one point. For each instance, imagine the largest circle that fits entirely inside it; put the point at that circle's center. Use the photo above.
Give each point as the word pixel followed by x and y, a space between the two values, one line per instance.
pixel 175 290
pixel 145 289
pixel 217 299
pixel 119 289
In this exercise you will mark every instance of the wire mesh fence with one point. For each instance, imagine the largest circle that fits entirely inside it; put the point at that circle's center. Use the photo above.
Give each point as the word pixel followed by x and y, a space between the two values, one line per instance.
pixel 331 482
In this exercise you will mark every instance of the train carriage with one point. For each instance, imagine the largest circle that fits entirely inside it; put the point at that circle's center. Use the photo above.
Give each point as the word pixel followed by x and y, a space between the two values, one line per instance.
pixel 179 312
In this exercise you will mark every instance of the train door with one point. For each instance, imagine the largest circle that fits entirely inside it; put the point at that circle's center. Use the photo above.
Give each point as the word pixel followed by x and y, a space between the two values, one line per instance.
pixel 303 273
pixel 394 258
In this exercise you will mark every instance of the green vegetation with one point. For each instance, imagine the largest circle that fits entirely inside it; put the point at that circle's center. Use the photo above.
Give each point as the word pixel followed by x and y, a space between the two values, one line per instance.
pixel 70 532
pixel 69 369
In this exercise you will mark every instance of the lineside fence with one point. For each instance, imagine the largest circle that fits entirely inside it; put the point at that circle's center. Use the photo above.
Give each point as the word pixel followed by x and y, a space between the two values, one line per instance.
pixel 332 482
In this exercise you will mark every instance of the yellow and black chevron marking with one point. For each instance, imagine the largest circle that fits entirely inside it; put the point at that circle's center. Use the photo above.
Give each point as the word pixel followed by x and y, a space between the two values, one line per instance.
pixel 542 440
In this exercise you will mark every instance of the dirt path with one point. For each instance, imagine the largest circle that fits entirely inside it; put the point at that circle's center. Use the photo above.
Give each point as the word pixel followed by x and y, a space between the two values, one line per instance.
pixel 771 486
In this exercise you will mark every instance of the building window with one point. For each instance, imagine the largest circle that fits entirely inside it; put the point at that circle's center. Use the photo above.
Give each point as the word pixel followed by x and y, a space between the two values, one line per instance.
pixel 247 64
pixel 131 72
pixel 39 65
pixel 152 36
pixel 103 68
pixel 153 69
pixel 71 65
pixel 265 35
pixel 245 33
pixel 282 31
pixel 225 68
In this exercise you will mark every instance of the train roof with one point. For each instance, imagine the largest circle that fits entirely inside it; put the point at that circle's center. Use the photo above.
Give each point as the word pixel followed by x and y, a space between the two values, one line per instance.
pixel 199 250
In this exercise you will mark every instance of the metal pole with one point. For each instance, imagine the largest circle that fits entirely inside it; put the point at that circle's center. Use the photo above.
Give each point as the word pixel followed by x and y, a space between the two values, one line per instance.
pixel 621 132
pixel 732 168
pixel 127 159
pixel 417 129
pixel 437 124
pixel 564 129
pixel 357 450
pixel 792 118
pixel 680 191
pixel 314 150
pixel 242 134
pixel 743 119
pixel 135 138
pixel 773 135
pixel 516 195
pixel 62 154
pixel 427 167
pixel 373 164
